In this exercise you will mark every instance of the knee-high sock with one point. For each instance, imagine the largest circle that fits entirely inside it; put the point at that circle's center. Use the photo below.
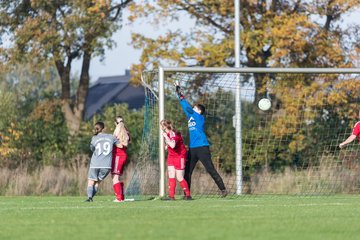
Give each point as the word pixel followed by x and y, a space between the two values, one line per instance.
pixel 122 197
pixel 90 191
pixel 117 190
pixel 95 190
pixel 185 187
pixel 172 186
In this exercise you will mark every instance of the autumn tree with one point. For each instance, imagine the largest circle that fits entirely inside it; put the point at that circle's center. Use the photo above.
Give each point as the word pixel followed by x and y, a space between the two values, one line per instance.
pixel 273 34
pixel 58 33
pixel 28 101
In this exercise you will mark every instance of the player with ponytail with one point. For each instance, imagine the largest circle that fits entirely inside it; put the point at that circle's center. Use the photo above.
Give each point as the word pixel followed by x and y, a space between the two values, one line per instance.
pixel 121 133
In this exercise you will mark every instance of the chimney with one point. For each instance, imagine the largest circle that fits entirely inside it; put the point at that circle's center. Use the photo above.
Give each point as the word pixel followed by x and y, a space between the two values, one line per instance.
pixel 127 72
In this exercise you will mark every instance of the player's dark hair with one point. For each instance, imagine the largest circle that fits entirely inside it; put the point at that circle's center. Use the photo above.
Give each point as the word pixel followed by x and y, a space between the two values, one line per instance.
pixel 119 119
pixel 201 108
pixel 99 126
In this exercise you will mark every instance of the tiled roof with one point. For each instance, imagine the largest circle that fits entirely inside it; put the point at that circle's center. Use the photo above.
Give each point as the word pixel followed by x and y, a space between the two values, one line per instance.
pixel 113 90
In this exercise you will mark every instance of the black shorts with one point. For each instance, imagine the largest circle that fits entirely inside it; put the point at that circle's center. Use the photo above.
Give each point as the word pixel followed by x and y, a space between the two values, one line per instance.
pixel 200 153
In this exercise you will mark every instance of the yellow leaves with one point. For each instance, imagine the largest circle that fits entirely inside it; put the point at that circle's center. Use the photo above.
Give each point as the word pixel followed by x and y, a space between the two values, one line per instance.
pixel 211 53
pixel 136 71
pixel 297 144
pixel 56 29
pixel 254 41
pixel 337 98
pixel 45 110
pixel 13 132
pixel 141 9
pixel 290 35
pixel 287 119
pixel 10 135
pixel 99 7
pixel 165 50
pixel 342 97
pixel 5 150
pixel 350 85
pixel 284 125
pixel 306 99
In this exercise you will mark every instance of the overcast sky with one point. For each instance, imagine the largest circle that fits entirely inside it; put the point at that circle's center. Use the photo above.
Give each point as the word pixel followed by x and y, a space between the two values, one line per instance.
pixel 123 55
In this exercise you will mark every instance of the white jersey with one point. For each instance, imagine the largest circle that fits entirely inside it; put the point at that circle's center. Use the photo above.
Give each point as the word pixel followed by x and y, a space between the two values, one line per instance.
pixel 102 146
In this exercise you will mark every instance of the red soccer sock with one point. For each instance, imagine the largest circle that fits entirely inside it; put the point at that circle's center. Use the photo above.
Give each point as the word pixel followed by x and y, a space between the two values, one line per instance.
pixel 117 190
pixel 185 187
pixel 122 196
pixel 172 186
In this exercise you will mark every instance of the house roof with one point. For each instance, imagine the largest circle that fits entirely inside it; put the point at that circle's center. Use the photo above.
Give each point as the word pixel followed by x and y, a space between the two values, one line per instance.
pixel 113 90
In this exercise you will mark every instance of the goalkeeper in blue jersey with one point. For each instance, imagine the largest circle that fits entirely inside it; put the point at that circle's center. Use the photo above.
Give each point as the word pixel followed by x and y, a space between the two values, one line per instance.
pixel 100 164
pixel 199 145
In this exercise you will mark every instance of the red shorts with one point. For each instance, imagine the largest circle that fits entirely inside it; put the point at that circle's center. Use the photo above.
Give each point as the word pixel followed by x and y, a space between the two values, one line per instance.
pixel 177 162
pixel 118 163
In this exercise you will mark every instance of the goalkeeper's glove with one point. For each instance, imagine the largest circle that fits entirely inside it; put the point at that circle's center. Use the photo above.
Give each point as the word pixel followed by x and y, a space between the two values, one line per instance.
pixel 178 90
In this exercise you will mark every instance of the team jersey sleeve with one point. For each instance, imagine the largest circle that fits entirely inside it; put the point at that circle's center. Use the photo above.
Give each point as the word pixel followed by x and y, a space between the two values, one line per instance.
pixel 92 147
pixel 356 130
pixel 186 107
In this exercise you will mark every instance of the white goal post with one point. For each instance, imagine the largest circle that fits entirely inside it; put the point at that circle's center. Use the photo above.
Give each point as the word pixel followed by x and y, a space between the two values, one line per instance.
pixel 162 71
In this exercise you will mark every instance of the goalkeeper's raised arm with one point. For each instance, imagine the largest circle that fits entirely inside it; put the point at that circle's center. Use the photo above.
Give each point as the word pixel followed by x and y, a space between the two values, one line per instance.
pixel 178 90
pixel 188 110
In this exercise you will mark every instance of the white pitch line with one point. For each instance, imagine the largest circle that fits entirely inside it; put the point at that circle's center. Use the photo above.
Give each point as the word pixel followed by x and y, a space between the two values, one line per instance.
pixel 132 206
pixel 298 205
pixel 116 205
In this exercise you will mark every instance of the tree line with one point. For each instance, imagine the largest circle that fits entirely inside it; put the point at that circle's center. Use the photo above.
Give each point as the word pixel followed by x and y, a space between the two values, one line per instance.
pixel 42 104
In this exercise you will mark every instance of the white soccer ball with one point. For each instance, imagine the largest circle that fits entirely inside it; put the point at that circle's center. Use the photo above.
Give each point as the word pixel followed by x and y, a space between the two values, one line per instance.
pixel 264 104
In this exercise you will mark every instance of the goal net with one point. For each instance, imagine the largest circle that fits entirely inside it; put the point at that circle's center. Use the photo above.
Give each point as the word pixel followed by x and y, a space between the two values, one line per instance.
pixel 292 148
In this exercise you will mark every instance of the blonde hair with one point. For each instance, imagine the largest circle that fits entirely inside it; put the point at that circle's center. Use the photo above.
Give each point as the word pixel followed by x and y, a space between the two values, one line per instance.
pixel 122 133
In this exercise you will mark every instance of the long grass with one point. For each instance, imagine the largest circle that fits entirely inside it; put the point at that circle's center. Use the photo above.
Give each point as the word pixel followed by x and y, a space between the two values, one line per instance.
pixel 49 180
pixel 255 218
pixel 57 181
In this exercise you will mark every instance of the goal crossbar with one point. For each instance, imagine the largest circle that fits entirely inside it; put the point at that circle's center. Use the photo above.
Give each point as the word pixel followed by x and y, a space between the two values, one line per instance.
pixel 261 70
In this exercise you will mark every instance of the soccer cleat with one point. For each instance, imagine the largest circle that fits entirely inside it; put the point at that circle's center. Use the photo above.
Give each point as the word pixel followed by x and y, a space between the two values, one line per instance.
pixel 117 200
pixel 89 200
pixel 224 193
pixel 168 199
pixel 188 198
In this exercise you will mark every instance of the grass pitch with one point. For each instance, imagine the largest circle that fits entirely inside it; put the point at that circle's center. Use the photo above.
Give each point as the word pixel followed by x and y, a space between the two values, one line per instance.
pixel 264 217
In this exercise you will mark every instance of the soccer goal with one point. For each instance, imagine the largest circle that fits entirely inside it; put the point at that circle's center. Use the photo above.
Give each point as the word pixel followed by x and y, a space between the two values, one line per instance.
pixel 290 148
